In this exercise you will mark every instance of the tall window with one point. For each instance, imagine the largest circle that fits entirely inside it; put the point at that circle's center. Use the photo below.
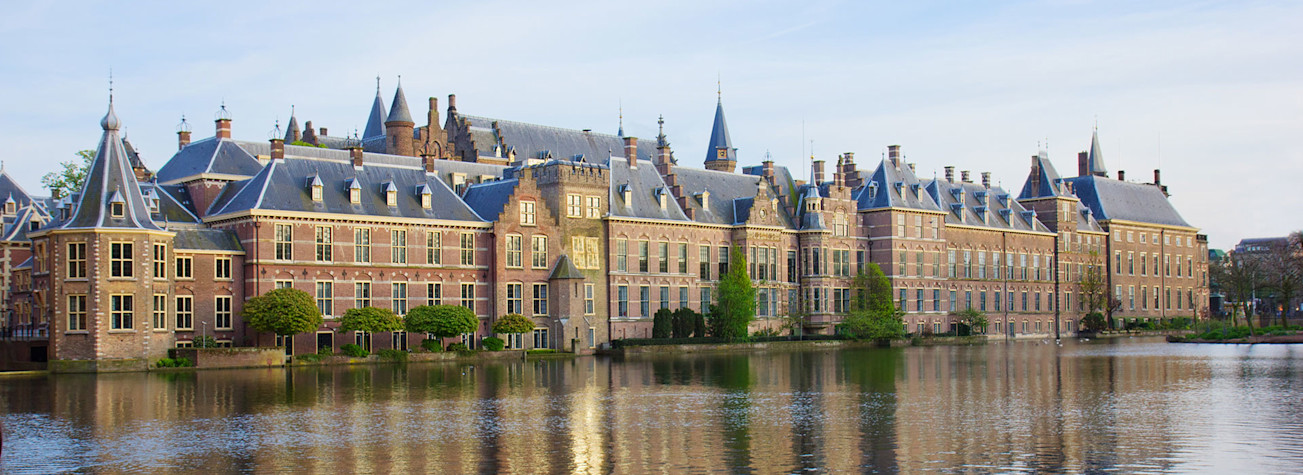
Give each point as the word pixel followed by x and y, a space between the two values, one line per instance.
pixel 703 262
pixel 590 299
pixel 160 311
pixel 326 298
pixel 284 242
pixel 433 293
pixel 577 251
pixel 574 206
pixel 622 297
pixel 467 249
pixel 663 255
pixel 185 312
pixel 594 207
pixel 538 252
pixel 540 299
pixel 398 246
pixel 683 297
pixel 723 261
pixel 76 260
pixel 120 316
pixel 705 300
pixel 222 312
pixel 683 258
pixel 77 312
pixel 433 248
pixel 398 297
pixel 665 297
pixel 644 301
pixel 515 253
pixel 621 255
pixel 361 294
pixel 160 261
pixel 120 259
pixel 592 253
pixel 643 249
pixel 362 244
pixel 527 213
pixel 514 298
pixel 468 295
pixel 324 243
pixel 222 268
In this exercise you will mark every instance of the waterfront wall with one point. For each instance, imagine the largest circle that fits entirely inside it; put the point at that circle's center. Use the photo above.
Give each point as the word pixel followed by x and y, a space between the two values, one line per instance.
pixel 206 358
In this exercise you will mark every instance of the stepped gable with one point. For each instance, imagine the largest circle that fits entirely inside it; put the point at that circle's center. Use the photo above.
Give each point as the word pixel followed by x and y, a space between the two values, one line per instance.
pixel 1111 199
pixel 537 141
pixel 109 180
pixel 892 187
pixel 224 157
pixel 645 187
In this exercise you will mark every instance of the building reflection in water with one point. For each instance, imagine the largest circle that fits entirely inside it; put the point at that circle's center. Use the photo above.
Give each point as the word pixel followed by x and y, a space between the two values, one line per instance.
pixel 1023 406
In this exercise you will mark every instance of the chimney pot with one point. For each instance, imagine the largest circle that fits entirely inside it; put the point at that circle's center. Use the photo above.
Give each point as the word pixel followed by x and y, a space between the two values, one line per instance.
pixel 818 172
pixel 277 148
pixel 1157 179
pixel 223 128
pixel 452 102
pixel 986 179
pixel 631 151
pixel 323 132
pixel 1122 175
pixel 1083 168
pixel 950 173
pixel 963 176
pixel 182 139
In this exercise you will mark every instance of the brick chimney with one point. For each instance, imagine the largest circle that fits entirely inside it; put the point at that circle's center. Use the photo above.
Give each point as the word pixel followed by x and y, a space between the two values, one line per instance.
pixel 1157 179
pixel 428 162
pixel 355 153
pixel 964 177
pixel 631 151
pixel 893 154
pixel 1083 163
pixel 839 179
pixel 452 102
pixel 323 132
pixel 182 139
pixel 1122 175
pixel 986 179
pixel 852 175
pixel 664 161
pixel 767 171
pixel 309 134
pixel 818 172
pixel 223 128
pixel 950 174
pixel 277 148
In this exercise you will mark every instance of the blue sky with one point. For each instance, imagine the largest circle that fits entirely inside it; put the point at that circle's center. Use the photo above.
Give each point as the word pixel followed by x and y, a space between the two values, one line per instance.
pixel 1211 92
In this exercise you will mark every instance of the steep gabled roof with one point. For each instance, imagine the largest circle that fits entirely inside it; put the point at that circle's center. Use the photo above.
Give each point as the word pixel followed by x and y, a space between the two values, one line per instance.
pixel 109 178
pixel 565 269
pixel 972 204
pixel 1043 181
pixel 1112 199
pixel 489 199
pixel 646 186
pixel 892 186
pixel 9 188
pixel 210 155
pixel 536 141
pixel 17 228
pixel 719 197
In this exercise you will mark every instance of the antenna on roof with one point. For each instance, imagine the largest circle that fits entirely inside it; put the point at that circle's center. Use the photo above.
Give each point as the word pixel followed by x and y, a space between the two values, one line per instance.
pixel 110 85
pixel 621 133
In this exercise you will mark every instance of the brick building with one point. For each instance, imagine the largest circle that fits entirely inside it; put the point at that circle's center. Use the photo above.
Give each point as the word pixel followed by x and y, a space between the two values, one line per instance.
pixel 587 233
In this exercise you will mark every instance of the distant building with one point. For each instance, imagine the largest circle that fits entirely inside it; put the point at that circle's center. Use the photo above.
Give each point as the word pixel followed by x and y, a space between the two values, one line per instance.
pixel 589 234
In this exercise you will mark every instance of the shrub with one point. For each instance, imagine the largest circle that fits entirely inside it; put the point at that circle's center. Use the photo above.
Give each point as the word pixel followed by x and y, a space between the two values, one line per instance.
pixel 309 357
pixel 184 363
pixel 699 325
pixel 513 323
pixel 663 323
pixel 767 333
pixel 1094 322
pixel 1180 323
pixel 458 347
pixel 684 322
pixel 393 355
pixel 204 341
pixel 540 351
pixel 326 351
pixel 353 350
pixel 493 343
pixel 432 345
pixel 165 363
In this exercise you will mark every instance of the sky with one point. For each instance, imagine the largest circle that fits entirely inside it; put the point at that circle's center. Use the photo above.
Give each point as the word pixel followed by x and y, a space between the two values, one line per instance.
pixel 1209 92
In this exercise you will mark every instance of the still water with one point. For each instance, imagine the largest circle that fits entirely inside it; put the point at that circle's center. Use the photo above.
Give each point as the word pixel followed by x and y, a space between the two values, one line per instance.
pixel 1128 405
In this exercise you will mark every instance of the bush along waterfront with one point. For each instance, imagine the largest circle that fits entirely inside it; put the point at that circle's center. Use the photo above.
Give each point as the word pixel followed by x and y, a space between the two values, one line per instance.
pixel 1221 332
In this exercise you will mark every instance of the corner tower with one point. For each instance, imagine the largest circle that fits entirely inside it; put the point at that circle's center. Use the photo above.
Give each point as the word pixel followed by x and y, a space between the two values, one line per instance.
pixel 399 126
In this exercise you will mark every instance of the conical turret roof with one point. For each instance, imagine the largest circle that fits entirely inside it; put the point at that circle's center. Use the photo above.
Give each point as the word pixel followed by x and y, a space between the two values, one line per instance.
pixel 109 180
pixel 375 122
pixel 398 110
pixel 719 137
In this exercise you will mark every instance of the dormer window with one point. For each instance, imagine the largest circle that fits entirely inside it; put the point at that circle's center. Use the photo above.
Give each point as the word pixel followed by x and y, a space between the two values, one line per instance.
pixel 315 186
pixel 391 194
pixel 626 193
pixel 660 196
pixel 424 192
pixel 11 207
pixel 459 182
pixel 117 205
pixel 354 192
pixel 33 225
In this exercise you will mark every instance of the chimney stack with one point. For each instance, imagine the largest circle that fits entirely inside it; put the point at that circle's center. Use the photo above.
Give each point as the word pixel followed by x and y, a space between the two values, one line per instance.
pixel 1083 165
pixel 631 151
pixel 452 102
pixel 818 172
pixel 182 138
pixel 1122 175
pixel 911 167
pixel 355 153
pixel 852 175
pixel 309 135
pixel 277 148
pixel 986 180
pixel 963 176
pixel 767 170
pixel 323 132
pixel 893 154
pixel 950 174
pixel 1157 180
pixel 428 162
pixel 223 128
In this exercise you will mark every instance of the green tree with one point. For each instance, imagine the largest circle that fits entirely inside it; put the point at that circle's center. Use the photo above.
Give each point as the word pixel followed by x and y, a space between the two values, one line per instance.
pixel 513 323
pixel 283 312
pixel 684 322
pixel 973 320
pixel 72 176
pixel 663 323
pixel 1094 322
pixel 442 321
pixel 872 315
pixel 370 320
pixel 736 307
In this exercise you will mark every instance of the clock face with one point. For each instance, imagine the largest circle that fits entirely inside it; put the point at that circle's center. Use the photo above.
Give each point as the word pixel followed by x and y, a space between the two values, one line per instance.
pixel 723 153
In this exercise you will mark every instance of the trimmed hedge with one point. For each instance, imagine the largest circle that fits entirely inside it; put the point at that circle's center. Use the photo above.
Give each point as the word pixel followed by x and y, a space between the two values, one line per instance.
pixel 353 350
pixel 631 342
pixel 493 343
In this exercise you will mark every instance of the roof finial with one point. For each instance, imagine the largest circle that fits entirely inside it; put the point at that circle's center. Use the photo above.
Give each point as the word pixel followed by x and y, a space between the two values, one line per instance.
pixel 110 86
pixel 377 84
pixel 400 80
pixel 621 133
pixel 719 88
pixel 291 111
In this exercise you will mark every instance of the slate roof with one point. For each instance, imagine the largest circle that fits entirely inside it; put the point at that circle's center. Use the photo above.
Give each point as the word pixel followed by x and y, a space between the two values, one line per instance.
pixel 1114 199
pixel 719 136
pixel 972 204
pixel 398 111
pixel 109 178
pixel 489 199
pixel 535 141
pixel 9 188
pixel 645 183
pixel 292 130
pixel 565 269
pixel 207 240
pixel 210 155
pixel 173 203
pixel 16 228
pixel 729 198
pixel 283 186
pixel 890 186
pixel 783 180
pixel 1095 158
pixel 1047 179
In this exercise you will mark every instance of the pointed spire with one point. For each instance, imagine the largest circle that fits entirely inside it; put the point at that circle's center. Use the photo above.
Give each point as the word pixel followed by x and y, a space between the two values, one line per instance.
pixel 375 122
pixel 1096 158
pixel 110 120
pixel 660 132
pixel 621 132
pixel 721 146
pixel 398 110
pixel 110 196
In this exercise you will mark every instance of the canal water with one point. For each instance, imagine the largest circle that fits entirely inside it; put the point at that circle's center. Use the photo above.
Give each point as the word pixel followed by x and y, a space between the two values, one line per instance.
pixel 1126 405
